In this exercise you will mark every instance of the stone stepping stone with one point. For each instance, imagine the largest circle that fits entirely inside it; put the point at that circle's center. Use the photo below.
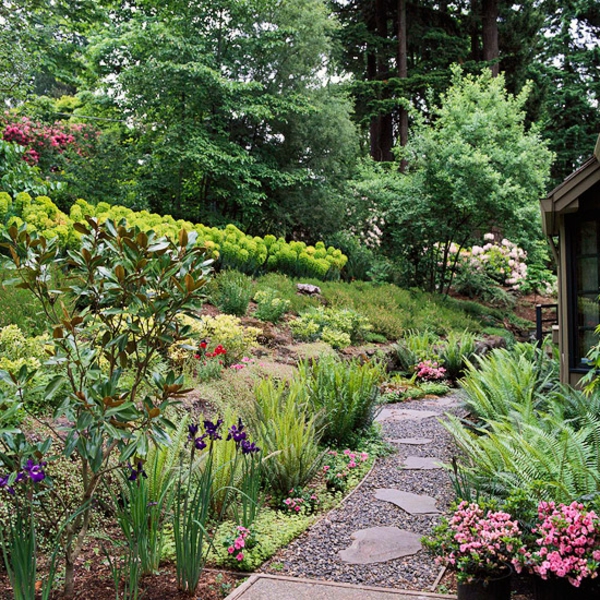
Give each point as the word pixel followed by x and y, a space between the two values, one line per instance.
pixel 416 441
pixel 380 544
pixel 421 463
pixel 405 414
pixel 413 504
pixel 448 402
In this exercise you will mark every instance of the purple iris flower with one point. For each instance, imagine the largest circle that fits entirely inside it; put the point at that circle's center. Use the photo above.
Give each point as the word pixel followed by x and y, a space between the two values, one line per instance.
pixel 212 429
pixel 4 484
pixel 236 433
pixel 192 431
pixel 35 471
pixel 138 472
pixel 199 442
pixel 249 448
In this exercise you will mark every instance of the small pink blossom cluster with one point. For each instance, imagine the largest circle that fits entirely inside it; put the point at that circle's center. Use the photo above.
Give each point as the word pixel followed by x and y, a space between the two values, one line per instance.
pixel 488 536
pixel 244 363
pixel 569 545
pixel 295 504
pixel 430 370
pixel 39 138
pixel 239 543
pixel 338 466
pixel 299 499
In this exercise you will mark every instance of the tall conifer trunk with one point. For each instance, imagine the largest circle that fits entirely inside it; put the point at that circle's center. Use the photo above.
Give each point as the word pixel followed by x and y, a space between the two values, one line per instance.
pixel 402 74
pixel 489 33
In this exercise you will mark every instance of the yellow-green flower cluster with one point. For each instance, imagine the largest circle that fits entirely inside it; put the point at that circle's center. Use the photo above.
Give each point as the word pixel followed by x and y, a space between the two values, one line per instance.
pixel 230 247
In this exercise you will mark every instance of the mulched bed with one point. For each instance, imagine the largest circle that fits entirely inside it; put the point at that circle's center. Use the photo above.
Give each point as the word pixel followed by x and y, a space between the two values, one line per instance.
pixel 95 583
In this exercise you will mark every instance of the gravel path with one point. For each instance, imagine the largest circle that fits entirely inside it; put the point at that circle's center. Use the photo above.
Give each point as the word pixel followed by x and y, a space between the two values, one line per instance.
pixel 315 553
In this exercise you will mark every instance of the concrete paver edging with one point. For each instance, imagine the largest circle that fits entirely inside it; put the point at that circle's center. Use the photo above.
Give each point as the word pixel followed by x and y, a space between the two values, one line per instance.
pixel 277 587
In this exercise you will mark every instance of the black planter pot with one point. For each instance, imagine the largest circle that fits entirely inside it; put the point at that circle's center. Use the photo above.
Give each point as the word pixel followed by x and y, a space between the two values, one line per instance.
pixel 497 588
pixel 560 589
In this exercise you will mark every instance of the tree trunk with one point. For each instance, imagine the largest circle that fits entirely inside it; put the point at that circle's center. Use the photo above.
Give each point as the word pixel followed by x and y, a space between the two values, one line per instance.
pixel 382 134
pixel 489 34
pixel 475 19
pixel 402 74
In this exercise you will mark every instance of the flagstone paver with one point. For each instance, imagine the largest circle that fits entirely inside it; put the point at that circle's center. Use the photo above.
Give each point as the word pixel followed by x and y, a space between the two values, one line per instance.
pixel 420 441
pixel 421 463
pixel 380 544
pixel 403 414
pixel 273 587
pixel 413 504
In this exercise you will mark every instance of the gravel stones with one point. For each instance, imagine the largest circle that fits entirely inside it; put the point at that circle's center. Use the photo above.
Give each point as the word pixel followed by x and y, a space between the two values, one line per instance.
pixel 380 544
pixel 413 504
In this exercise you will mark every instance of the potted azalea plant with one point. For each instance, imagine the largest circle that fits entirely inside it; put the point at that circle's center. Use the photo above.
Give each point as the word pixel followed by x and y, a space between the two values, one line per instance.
pixel 479 543
pixel 565 554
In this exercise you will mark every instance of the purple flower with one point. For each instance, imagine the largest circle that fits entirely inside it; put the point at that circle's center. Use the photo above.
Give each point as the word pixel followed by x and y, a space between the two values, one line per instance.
pixel 212 429
pixel 248 448
pixel 236 433
pixel 138 472
pixel 199 442
pixel 192 431
pixel 4 484
pixel 35 471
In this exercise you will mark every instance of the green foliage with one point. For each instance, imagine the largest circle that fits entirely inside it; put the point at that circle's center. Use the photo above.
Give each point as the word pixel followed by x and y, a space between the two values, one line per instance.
pixel 414 348
pixel 230 247
pixel 505 383
pixel 475 166
pixel 115 275
pixel 337 327
pixel 389 309
pixel 344 394
pixel 273 147
pixel 530 440
pixel 144 505
pixel 18 351
pixel 360 258
pixel 19 551
pixel 269 306
pixel 544 457
pixel 224 330
pixel 233 291
pixel 286 428
pixel 16 175
pixel 273 530
pixel 456 350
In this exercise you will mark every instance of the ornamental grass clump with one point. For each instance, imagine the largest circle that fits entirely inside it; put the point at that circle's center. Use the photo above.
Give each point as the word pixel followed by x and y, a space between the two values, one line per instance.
pixel 476 542
pixel 568 545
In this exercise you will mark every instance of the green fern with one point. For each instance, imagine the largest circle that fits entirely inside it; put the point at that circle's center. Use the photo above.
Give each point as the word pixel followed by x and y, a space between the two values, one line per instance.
pixel 286 429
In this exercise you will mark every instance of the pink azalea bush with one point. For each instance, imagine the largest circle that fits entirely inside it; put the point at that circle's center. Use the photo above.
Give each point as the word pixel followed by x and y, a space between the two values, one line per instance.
pixel 430 370
pixel 477 542
pixel 44 142
pixel 568 546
